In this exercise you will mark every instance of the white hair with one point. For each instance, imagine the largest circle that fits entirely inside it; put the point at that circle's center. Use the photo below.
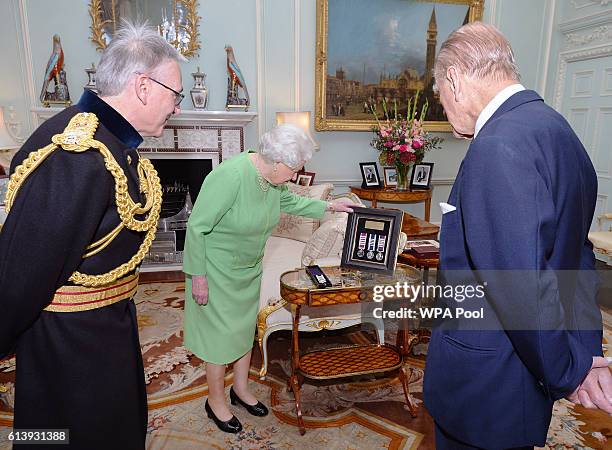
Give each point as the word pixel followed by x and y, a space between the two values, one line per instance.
pixel 286 144
pixel 478 50
pixel 135 48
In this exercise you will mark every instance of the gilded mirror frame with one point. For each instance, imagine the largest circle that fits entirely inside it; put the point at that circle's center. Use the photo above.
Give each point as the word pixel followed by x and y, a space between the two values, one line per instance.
pixel 323 122
pixel 98 22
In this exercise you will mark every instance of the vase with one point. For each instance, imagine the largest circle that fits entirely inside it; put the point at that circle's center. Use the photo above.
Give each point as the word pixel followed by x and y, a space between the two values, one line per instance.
pixel 199 92
pixel 403 179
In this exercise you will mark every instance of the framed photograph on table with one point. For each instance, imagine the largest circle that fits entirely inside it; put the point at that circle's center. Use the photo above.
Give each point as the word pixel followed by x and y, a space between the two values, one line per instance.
pixel 370 51
pixel 421 176
pixel 371 238
pixel 390 176
pixel 369 175
pixel 305 178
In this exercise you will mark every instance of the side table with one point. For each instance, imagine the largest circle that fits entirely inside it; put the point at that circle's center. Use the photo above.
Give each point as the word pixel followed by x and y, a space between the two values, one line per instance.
pixel 348 286
pixel 394 196
pixel 416 228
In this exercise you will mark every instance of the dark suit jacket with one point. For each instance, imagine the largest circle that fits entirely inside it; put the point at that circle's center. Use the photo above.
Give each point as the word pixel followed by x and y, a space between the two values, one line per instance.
pixel 525 196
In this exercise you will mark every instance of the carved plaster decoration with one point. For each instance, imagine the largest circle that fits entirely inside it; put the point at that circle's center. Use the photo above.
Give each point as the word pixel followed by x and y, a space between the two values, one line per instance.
pixel 575 4
pixel 14 126
pixel 601 34
pixel 572 56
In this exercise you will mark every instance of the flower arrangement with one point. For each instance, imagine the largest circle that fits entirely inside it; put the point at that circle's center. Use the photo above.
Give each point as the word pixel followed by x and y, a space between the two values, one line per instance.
pixel 402 142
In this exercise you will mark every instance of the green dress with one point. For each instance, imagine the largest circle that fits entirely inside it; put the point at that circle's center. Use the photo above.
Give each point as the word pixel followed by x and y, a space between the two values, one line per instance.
pixel 226 234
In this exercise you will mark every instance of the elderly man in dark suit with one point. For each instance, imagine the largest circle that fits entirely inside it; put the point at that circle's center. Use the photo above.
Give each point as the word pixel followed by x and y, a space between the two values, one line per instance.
pixel 516 222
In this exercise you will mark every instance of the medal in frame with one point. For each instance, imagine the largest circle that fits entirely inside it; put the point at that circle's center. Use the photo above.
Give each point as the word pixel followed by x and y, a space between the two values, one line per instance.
pixel 371 239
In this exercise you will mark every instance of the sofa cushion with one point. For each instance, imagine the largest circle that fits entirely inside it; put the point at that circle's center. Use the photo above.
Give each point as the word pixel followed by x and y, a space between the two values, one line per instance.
pixel 327 241
pixel 333 215
pixel 602 240
pixel 301 228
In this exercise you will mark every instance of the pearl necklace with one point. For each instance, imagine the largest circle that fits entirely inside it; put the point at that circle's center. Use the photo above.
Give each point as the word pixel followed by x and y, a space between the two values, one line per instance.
pixel 263 183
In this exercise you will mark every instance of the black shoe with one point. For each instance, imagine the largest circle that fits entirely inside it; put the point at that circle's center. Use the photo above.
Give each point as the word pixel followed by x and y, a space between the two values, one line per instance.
pixel 258 409
pixel 231 426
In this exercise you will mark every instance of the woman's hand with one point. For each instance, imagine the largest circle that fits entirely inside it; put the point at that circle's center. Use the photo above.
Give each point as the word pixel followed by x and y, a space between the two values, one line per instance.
pixel 342 205
pixel 199 289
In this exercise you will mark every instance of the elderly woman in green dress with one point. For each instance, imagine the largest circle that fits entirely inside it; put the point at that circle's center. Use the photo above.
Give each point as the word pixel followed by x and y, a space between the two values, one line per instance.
pixel 239 205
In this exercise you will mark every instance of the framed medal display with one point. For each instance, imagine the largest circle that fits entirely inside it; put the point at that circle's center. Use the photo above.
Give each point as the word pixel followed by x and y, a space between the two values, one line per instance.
pixel 370 241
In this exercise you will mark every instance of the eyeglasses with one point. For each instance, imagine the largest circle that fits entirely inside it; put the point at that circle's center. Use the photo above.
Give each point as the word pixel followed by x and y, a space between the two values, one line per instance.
pixel 178 97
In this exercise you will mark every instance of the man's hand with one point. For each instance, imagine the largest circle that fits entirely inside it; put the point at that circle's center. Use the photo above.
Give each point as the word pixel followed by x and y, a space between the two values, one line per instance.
pixel 343 205
pixel 595 391
pixel 199 289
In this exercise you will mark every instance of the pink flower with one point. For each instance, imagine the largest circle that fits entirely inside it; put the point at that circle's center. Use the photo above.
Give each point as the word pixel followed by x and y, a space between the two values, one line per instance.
pixel 390 158
pixel 403 148
pixel 405 158
pixel 396 147
pixel 389 144
pixel 383 133
pixel 417 143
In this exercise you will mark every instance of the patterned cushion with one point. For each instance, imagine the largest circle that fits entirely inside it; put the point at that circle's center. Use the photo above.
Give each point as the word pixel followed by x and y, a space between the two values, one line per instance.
pixel 332 215
pixel 327 241
pixel 301 228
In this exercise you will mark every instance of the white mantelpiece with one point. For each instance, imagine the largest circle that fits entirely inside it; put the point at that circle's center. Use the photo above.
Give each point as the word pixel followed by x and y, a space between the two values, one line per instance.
pixel 186 117
pixel 213 135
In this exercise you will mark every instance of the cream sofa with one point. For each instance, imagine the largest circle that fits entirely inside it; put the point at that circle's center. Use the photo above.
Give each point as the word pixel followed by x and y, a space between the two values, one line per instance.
pixel 323 246
pixel 602 239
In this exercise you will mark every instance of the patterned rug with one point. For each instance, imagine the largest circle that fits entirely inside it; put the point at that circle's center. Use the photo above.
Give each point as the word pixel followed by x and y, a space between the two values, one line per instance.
pixel 367 414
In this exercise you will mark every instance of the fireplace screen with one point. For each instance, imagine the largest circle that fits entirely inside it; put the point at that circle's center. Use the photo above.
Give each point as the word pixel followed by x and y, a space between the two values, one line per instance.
pixel 181 181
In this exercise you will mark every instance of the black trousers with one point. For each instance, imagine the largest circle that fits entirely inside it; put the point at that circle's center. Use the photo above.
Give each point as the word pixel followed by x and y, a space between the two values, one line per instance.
pixel 445 441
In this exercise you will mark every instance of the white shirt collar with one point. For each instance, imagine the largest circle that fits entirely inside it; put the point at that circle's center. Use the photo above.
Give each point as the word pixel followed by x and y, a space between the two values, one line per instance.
pixel 495 103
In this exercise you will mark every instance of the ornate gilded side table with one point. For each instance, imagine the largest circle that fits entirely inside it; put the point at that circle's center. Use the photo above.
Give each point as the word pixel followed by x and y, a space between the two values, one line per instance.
pixel 348 286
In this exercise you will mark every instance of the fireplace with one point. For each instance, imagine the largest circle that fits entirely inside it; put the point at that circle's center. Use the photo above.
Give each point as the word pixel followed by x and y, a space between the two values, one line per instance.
pixel 181 175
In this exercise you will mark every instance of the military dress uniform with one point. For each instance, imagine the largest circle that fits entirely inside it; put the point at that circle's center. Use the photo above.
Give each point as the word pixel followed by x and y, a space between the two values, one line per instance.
pixel 83 209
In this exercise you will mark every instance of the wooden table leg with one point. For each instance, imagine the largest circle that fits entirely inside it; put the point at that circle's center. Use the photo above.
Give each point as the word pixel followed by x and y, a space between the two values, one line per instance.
pixel 373 203
pixel 404 342
pixel 405 339
pixel 294 381
pixel 427 209
pixel 405 378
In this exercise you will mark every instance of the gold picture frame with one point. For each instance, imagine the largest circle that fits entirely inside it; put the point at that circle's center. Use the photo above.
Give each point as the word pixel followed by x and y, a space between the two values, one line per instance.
pixel 352 110
pixel 106 15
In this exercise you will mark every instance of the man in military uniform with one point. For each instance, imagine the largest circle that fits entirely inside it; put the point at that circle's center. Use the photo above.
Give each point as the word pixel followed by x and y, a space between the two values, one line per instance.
pixel 83 210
